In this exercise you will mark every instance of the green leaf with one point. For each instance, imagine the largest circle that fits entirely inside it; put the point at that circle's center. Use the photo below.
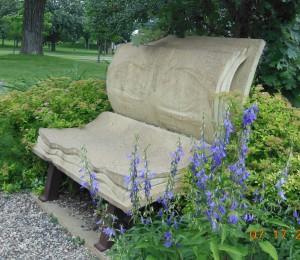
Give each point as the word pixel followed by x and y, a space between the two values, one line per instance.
pixel 277 222
pixel 253 227
pixel 269 248
pixel 235 256
pixel 150 257
pixel 223 234
pixel 214 249
pixel 143 245
pixel 196 240
pixel 232 249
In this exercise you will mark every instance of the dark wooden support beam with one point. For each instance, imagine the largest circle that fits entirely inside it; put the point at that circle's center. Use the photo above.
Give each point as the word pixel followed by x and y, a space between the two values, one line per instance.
pixel 52 184
pixel 123 219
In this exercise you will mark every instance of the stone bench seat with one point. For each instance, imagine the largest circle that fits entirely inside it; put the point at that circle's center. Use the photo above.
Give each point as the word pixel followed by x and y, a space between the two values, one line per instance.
pixel 108 139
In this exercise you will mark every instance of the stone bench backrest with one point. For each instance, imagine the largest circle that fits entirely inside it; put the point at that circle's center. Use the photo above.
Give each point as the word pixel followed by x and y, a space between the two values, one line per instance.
pixel 172 81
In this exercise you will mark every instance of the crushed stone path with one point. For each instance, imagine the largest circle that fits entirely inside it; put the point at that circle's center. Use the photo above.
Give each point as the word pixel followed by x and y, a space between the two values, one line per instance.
pixel 26 232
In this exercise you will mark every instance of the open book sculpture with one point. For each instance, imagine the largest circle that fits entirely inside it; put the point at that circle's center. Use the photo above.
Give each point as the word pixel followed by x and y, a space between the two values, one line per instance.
pixel 159 92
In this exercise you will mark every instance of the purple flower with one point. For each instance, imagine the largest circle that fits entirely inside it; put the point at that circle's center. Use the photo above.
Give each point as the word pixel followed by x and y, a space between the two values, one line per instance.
pixel 142 175
pixel 160 213
pixel 244 206
pixel 281 195
pixel 222 209
pixel 170 195
pixel 95 186
pixel 295 214
pixel 228 127
pixel 168 243
pixel 109 232
pixel 83 184
pixel 127 180
pixel 248 217
pixel 250 115
pixel 233 219
pixel 82 170
pixel 93 175
pixel 113 218
pixel 169 221
pixel 280 182
pixel 175 225
pixel 218 150
pixel 152 175
pixel 168 235
pixel 214 224
pixel 234 205
pixel 122 229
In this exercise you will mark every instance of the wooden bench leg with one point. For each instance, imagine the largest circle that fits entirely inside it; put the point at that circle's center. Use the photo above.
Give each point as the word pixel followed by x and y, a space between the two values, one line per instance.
pixel 52 184
pixel 103 243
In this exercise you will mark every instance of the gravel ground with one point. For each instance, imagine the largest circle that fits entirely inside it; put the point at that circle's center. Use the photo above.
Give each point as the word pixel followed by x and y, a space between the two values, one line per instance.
pixel 26 232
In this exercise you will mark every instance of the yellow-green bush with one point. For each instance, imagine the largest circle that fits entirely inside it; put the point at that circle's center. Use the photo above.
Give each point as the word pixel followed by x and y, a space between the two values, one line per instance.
pixel 276 129
pixel 54 103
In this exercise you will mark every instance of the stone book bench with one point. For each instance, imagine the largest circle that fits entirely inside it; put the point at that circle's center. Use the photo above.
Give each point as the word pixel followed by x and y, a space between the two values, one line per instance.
pixel 159 92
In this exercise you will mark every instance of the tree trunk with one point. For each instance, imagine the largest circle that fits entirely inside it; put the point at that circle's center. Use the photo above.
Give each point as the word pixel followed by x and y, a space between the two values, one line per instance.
pixel 53 46
pixel 3 42
pixel 33 21
pixel 87 43
pixel 100 43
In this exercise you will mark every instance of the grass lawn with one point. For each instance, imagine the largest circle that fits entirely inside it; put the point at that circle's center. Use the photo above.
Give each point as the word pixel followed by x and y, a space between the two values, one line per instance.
pixel 65 62
pixel 30 69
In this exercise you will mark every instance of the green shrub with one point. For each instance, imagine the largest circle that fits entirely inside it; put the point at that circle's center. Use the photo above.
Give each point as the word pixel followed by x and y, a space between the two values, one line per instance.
pixel 57 103
pixel 274 132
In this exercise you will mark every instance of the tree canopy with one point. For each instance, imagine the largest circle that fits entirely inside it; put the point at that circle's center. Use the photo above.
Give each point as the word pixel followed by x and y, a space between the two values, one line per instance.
pixel 67 17
pixel 275 21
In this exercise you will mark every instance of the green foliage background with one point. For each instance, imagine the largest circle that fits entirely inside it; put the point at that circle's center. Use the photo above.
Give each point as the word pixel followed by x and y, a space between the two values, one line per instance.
pixel 54 103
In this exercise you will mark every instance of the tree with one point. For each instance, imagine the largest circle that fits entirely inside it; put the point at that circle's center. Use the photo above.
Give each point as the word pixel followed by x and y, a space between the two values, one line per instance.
pixel 67 21
pixel 12 25
pixel 32 40
pixel 7 8
pixel 115 20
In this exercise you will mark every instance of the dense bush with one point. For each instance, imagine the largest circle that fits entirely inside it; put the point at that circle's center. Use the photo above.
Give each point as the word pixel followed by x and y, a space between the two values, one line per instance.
pixel 57 103
pixel 275 131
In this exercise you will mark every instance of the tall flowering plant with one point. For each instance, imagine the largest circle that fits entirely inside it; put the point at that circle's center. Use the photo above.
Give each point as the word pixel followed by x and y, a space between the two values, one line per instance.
pixel 220 219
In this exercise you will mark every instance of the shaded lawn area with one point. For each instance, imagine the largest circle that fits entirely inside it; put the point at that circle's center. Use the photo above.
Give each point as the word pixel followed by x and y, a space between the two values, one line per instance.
pixel 33 68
